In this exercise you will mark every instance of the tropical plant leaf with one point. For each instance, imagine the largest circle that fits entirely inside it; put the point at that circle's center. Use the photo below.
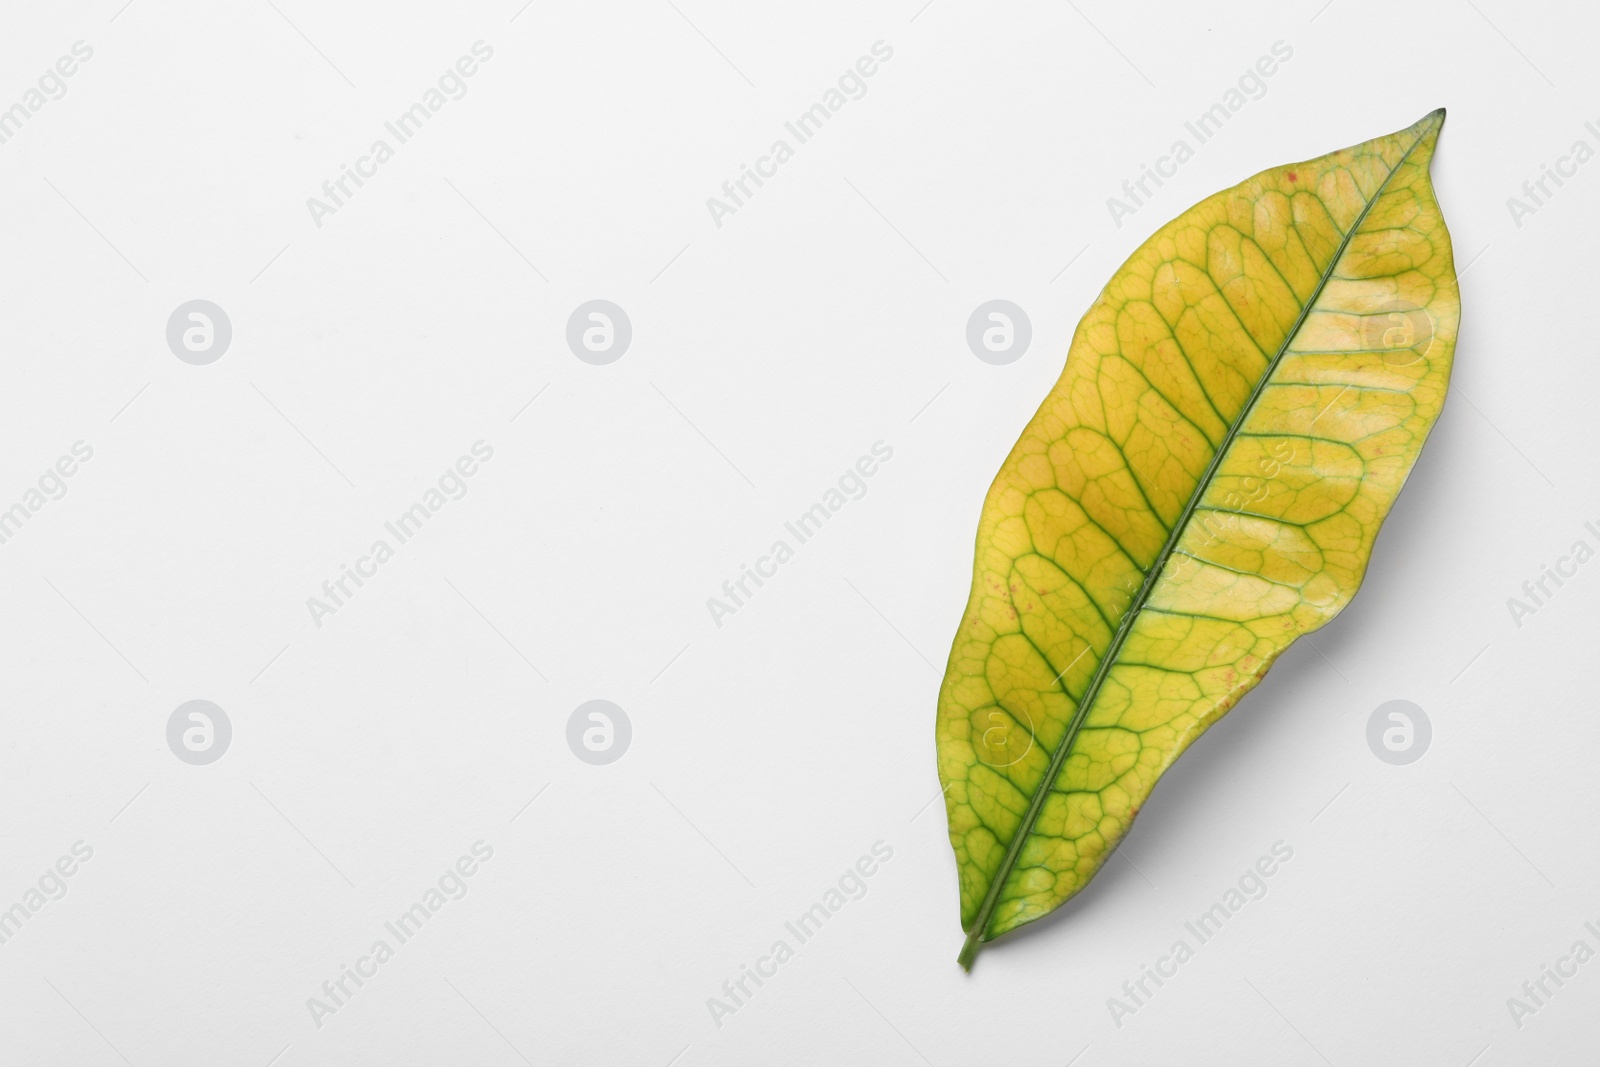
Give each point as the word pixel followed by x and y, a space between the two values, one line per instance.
pixel 1239 408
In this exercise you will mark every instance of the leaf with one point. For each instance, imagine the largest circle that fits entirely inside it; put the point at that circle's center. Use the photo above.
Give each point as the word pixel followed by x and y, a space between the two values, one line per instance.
pixel 1240 406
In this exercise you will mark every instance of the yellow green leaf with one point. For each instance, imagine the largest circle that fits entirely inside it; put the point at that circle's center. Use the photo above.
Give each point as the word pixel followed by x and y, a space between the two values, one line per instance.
pixel 1239 408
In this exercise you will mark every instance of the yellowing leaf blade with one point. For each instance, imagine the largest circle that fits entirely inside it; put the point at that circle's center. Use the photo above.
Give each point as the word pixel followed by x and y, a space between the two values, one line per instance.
pixel 1239 409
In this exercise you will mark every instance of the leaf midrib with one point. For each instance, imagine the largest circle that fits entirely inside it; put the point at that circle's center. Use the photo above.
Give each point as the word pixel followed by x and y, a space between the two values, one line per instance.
pixel 980 922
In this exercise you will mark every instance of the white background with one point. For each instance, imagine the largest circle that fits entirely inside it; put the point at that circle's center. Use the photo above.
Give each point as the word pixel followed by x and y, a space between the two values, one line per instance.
pixel 768 354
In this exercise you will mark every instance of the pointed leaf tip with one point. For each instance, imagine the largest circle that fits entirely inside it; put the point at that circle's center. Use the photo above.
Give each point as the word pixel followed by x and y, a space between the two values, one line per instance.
pixel 1430 122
